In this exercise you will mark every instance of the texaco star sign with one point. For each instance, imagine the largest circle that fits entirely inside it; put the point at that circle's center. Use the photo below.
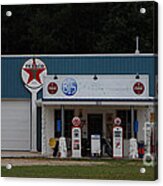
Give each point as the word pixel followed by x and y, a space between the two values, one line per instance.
pixel 32 73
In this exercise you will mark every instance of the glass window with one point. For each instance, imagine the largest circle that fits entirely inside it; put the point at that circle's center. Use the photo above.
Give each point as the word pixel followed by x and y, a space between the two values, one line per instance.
pixel 68 114
pixel 125 116
pixel 57 124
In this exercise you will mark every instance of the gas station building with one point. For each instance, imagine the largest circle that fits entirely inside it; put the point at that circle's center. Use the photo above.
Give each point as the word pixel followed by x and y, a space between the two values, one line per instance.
pixel 97 88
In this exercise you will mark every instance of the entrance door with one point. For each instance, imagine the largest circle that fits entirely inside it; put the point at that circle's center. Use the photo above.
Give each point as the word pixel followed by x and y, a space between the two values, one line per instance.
pixel 94 125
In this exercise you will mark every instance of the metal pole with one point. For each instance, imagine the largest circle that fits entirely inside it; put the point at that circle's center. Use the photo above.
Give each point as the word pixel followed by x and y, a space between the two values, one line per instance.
pixel 34 123
pixel 137 45
pixel 132 121
pixel 127 125
pixel 33 118
pixel 62 119
pixel 43 131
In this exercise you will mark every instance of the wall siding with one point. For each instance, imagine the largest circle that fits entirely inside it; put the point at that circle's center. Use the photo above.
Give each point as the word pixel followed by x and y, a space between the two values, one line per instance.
pixel 12 85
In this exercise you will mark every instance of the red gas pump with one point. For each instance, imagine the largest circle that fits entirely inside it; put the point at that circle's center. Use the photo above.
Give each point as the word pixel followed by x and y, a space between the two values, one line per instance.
pixel 117 139
pixel 76 138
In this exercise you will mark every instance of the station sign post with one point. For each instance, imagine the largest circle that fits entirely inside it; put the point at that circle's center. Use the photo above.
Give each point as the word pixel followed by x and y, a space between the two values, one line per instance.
pixel 32 73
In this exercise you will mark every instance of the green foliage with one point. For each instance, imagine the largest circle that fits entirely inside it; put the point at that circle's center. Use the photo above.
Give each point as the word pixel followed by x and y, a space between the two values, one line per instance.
pixel 79 28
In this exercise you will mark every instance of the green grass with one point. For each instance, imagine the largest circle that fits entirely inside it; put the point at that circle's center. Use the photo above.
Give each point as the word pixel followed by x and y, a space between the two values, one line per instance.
pixel 114 170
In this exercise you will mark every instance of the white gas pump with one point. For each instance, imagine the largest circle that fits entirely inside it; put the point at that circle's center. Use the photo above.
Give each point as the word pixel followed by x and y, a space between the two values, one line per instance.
pixel 62 147
pixel 133 150
pixel 76 138
pixel 117 142
pixel 148 158
pixel 76 142
pixel 147 136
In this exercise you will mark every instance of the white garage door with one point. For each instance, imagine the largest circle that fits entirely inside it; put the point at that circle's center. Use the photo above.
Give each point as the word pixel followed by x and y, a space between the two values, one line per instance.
pixel 15 125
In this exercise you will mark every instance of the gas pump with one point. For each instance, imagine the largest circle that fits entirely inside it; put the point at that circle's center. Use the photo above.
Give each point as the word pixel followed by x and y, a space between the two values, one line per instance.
pixel 147 136
pixel 62 147
pixel 133 150
pixel 148 158
pixel 117 139
pixel 76 138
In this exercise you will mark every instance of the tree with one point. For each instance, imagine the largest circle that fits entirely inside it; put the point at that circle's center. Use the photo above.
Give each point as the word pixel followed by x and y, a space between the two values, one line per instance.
pixel 79 28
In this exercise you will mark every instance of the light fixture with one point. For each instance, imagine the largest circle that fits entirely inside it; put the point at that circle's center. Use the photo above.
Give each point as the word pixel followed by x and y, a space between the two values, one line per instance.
pixel 95 77
pixel 137 76
pixel 55 77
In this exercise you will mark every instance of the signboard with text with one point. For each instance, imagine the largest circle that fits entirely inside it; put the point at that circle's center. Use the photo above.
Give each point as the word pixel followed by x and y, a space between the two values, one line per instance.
pixel 87 87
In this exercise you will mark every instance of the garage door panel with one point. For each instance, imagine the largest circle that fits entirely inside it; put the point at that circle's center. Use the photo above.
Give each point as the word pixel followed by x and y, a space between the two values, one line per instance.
pixel 17 118
pixel 10 145
pixel 14 134
pixel 15 127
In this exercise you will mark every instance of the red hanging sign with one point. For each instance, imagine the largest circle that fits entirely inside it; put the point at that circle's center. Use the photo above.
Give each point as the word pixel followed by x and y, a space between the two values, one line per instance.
pixel 52 88
pixel 138 88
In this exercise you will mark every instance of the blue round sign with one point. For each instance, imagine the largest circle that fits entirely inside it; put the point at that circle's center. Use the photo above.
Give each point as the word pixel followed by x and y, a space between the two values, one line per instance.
pixel 69 86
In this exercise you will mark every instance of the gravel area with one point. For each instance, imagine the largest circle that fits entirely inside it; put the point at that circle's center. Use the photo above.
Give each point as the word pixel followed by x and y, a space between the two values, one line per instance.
pixel 29 162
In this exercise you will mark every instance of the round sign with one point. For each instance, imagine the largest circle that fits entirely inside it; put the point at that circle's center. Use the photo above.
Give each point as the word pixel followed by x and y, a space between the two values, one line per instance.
pixel 76 121
pixel 32 73
pixel 52 88
pixel 138 88
pixel 69 86
pixel 52 142
pixel 117 121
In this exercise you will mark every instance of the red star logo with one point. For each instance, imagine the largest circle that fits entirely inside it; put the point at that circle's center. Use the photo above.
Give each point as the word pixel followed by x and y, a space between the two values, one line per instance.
pixel 34 72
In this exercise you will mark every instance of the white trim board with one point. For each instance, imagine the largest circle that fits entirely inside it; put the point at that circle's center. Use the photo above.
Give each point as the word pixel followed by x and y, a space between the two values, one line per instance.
pixel 80 55
pixel 98 103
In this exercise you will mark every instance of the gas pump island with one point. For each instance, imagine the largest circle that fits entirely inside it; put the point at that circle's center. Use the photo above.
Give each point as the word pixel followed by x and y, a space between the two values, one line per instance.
pixel 76 138
pixel 117 138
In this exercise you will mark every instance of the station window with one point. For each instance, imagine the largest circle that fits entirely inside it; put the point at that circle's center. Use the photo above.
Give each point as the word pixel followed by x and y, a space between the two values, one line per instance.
pixel 125 116
pixel 68 114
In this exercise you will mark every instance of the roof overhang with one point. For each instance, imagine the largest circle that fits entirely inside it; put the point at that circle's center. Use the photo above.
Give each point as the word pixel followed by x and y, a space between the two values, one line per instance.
pixel 99 102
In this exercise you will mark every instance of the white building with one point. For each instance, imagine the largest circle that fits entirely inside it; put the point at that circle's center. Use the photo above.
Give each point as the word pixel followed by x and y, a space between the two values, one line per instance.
pixel 97 88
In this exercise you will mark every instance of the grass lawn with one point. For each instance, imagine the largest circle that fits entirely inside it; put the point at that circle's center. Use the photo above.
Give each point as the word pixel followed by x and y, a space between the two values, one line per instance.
pixel 114 170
